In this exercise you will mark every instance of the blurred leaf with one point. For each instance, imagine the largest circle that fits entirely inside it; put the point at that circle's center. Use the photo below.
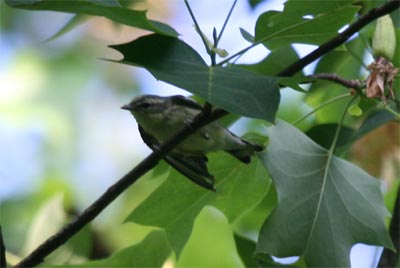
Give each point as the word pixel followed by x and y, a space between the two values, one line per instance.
pixel 110 10
pixel 177 202
pixel 331 203
pixel 48 220
pixel 233 89
pixel 274 62
pixel 254 3
pixel 211 243
pixel 74 22
pixel 151 252
pixel 355 110
pixel 374 120
pixel 290 26
pixel 323 134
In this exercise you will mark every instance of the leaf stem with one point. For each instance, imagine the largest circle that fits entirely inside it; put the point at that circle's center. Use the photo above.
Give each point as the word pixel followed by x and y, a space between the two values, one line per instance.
pixel 320 107
pixel 340 124
pixel 196 24
pixel 225 23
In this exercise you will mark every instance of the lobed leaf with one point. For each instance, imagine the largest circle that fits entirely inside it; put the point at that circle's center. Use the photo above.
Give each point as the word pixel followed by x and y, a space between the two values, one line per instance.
pixel 233 89
pixel 326 204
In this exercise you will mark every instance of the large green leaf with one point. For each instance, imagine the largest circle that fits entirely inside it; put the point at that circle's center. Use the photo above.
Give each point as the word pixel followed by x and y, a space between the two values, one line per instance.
pixel 326 204
pixel 151 252
pixel 233 89
pixel 277 29
pixel 176 203
pixel 109 9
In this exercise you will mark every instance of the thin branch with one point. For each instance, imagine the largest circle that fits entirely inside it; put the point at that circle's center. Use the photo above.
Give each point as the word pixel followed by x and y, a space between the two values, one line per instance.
pixel 342 37
pixel 3 261
pixel 55 241
pixel 225 23
pixel 355 84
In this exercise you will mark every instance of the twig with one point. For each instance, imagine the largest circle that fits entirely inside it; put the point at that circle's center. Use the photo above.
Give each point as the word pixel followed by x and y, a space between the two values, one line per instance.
pixel 225 23
pixel 196 24
pixel 3 261
pixel 388 257
pixel 55 241
pixel 354 84
pixel 342 37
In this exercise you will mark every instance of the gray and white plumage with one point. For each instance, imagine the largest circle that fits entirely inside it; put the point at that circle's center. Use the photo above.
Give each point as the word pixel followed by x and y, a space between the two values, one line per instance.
pixel 161 117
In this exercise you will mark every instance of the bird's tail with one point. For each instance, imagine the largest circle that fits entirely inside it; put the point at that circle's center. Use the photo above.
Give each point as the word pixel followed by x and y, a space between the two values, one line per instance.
pixel 244 154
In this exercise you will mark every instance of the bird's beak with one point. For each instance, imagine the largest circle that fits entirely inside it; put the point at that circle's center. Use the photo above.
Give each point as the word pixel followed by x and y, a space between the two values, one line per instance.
pixel 126 107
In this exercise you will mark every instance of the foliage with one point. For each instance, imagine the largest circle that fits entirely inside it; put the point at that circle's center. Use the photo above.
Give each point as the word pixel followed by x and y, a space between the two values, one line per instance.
pixel 302 196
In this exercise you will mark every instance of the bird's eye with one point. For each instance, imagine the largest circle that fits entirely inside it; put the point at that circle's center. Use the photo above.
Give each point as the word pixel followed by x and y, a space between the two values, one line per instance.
pixel 145 105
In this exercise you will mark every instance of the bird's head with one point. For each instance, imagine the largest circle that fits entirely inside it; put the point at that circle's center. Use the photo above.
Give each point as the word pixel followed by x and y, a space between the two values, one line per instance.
pixel 146 104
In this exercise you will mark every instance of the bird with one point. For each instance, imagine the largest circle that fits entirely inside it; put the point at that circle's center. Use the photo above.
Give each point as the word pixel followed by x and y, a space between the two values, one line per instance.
pixel 159 118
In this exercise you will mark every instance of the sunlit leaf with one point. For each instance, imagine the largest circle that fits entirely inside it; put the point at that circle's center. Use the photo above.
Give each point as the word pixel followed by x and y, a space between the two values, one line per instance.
pixel 211 243
pixel 109 9
pixel 176 203
pixel 326 204
pixel 233 89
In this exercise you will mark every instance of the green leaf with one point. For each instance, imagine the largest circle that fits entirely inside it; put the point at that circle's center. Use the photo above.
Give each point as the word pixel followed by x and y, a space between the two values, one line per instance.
pixel 323 134
pixel 211 243
pixel 374 120
pixel 70 25
pixel 233 89
pixel 177 202
pixel 246 35
pixel 355 110
pixel 274 62
pixel 246 249
pixel 151 252
pixel 277 29
pixel 326 204
pixel 108 9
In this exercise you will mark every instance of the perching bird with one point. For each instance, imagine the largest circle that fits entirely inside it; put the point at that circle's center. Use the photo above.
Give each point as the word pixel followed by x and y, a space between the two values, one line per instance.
pixel 161 117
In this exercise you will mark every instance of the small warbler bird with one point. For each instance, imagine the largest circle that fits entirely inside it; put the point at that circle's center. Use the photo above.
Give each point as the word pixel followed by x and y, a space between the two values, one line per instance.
pixel 161 117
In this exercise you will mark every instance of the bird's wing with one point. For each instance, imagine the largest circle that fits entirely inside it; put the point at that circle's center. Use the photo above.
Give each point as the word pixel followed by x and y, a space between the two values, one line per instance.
pixel 194 168
pixel 183 101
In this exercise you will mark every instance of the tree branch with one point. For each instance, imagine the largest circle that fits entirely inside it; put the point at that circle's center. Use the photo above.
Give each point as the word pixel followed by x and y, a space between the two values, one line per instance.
pixel 342 37
pixel 355 84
